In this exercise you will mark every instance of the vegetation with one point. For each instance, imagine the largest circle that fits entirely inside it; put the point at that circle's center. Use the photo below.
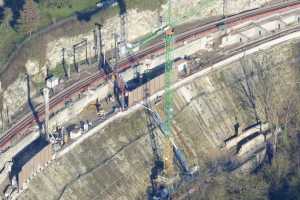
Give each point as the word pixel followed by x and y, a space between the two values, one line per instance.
pixel 7 18
pixel 278 177
pixel 29 18
pixel 276 181
pixel 33 15
pixel 58 71
pixel 51 11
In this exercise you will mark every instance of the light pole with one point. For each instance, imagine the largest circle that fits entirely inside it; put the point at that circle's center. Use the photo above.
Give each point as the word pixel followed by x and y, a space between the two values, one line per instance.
pixel 224 8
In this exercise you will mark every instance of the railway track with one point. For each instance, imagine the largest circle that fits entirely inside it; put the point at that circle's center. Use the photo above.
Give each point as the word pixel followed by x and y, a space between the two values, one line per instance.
pixel 20 129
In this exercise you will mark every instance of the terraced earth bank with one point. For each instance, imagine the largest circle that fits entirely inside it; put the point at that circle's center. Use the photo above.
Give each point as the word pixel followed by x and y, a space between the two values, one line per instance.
pixel 115 163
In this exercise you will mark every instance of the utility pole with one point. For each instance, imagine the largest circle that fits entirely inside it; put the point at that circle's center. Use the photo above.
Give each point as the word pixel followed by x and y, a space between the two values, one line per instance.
pixel 224 13
pixel 99 47
pixel 66 70
pixel 114 66
pixel 2 121
pixel 8 116
pixel 224 8
pixel 74 58
pixel 123 35
pixel 46 101
pixel 86 51
pixel 116 52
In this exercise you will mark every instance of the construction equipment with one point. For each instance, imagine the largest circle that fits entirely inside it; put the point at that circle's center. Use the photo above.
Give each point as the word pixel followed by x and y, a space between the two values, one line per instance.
pixel 163 175
pixel 99 109
pixel 168 99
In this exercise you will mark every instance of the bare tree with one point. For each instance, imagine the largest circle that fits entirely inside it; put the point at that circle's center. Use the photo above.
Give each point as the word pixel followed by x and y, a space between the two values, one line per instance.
pixel 263 92
pixel 245 88
pixel 58 3
pixel 29 19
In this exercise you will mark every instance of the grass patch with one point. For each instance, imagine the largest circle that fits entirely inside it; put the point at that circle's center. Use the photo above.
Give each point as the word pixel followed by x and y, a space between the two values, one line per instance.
pixel 8 41
pixel 53 13
pixel 39 85
pixel 145 4
pixel 36 47
pixel 10 37
pixel 58 71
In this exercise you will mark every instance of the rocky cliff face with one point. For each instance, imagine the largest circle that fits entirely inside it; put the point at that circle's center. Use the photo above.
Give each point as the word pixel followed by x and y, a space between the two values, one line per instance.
pixel 142 22
pixel 139 24
pixel 115 163
pixel 14 97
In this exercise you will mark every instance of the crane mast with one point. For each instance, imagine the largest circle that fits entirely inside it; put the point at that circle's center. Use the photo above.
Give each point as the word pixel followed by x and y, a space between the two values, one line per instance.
pixel 163 175
pixel 168 97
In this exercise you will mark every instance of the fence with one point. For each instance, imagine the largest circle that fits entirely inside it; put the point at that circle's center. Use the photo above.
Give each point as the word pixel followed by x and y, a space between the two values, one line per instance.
pixel 153 86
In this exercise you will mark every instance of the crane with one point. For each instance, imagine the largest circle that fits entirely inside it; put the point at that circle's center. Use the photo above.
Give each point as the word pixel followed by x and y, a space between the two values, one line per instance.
pixel 168 96
pixel 163 176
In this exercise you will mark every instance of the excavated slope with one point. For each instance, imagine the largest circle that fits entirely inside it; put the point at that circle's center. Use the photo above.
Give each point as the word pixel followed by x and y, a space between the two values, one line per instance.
pixel 115 163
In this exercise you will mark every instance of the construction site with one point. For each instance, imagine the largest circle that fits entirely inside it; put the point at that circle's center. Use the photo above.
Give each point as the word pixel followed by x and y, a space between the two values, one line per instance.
pixel 159 117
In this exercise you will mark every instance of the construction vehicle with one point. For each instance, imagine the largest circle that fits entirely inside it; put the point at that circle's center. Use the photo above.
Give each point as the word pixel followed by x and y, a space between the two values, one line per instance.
pixel 101 113
pixel 99 109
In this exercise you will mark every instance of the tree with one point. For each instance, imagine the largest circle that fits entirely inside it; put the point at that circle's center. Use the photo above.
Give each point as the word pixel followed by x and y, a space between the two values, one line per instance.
pixel 29 18
pixel 245 88
pixel 227 186
pixel 58 3
pixel 7 18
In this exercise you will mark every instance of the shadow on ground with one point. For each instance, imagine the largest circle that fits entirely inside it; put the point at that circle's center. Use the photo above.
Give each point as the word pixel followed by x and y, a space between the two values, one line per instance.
pixel 16 6
pixel 87 15
pixel 31 106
